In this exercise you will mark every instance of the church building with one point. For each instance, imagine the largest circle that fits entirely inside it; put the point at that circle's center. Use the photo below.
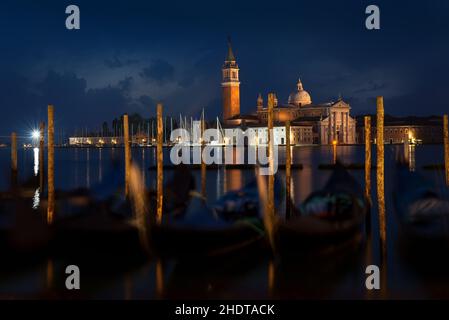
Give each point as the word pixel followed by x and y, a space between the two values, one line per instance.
pixel 322 123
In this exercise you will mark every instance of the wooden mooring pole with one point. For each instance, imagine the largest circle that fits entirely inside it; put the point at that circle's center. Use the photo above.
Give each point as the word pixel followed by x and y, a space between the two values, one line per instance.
pixel 41 155
pixel 160 163
pixel 127 153
pixel 368 158
pixel 13 160
pixel 446 147
pixel 269 217
pixel 270 154
pixel 288 164
pixel 51 165
pixel 381 173
pixel 203 164
pixel 14 152
pixel 368 171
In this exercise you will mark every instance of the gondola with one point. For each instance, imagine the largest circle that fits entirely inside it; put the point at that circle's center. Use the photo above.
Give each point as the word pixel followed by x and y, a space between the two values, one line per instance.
pixel 329 222
pixel 109 224
pixel 423 215
pixel 232 226
pixel 97 224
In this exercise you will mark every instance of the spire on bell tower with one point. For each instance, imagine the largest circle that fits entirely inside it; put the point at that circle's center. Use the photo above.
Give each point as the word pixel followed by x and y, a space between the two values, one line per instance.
pixel 230 56
pixel 230 85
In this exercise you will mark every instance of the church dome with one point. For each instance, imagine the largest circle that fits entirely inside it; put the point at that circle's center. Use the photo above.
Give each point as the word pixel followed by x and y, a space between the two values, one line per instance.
pixel 300 97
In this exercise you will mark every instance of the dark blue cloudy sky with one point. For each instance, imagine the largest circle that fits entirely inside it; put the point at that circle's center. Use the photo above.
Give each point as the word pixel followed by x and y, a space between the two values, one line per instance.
pixel 130 54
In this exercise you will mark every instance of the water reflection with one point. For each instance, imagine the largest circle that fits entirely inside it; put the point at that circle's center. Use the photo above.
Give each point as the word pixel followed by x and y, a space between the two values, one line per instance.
pixel 303 179
pixel 100 165
pixel 88 167
pixel 50 274
pixel 412 158
pixel 143 164
pixel 36 199
pixel 36 161
pixel 225 181
pixel 271 278
pixel 159 279
pixel 218 184
pixel 76 173
pixel 36 169
pixel 234 179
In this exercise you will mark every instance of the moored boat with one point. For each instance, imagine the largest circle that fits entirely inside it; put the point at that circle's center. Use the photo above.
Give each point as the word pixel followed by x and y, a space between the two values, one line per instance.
pixel 232 226
pixel 330 221
pixel 423 216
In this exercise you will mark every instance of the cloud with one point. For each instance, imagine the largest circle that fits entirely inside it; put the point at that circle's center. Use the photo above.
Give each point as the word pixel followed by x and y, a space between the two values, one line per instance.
pixel 75 104
pixel 126 84
pixel 160 71
pixel 116 63
pixel 204 67
pixel 146 101
pixel 372 86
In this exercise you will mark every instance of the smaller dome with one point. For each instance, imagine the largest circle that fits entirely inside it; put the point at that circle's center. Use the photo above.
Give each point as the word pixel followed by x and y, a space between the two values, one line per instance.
pixel 300 97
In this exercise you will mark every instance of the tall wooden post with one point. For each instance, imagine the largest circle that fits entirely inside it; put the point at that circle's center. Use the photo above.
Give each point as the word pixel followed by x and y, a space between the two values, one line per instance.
pixel 269 218
pixel 288 163
pixel 368 173
pixel 41 155
pixel 14 152
pixel 368 158
pixel 127 153
pixel 50 165
pixel 160 163
pixel 446 147
pixel 159 279
pixel 203 164
pixel 271 278
pixel 50 274
pixel 13 160
pixel 380 172
pixel 270 153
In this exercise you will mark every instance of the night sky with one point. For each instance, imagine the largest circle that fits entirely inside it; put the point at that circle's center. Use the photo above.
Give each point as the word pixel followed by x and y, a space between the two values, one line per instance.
pixel 131 54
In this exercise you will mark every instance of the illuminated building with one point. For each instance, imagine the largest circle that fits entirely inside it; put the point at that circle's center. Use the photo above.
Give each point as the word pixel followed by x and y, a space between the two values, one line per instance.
pixel 230 86
pixel 398 130
pixel 311 123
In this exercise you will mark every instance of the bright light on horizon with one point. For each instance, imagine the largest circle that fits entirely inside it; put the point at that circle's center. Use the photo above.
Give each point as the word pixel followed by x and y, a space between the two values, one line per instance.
pixel 35 134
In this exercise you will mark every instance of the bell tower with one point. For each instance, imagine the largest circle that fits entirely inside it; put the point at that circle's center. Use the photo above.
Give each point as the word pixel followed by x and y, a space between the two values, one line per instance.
pixel 230 86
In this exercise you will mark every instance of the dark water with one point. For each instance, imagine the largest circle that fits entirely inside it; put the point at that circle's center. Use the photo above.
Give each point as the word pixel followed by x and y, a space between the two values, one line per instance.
pixel 242 277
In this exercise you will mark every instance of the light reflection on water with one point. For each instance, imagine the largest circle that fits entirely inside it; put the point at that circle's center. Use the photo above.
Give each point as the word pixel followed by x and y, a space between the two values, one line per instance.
pixel 36 196
pixel 36 199
pixel 89 167
pixel 36 161
pixel 73 166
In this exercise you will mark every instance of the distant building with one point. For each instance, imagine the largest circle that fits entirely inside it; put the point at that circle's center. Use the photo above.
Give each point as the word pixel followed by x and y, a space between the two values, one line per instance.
pixel 311 123
pixel 136 139
pixel 398 130
pixel 95 141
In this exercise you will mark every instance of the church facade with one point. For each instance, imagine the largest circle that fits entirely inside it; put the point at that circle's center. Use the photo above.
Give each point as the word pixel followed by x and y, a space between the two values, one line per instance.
pixel 323 123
